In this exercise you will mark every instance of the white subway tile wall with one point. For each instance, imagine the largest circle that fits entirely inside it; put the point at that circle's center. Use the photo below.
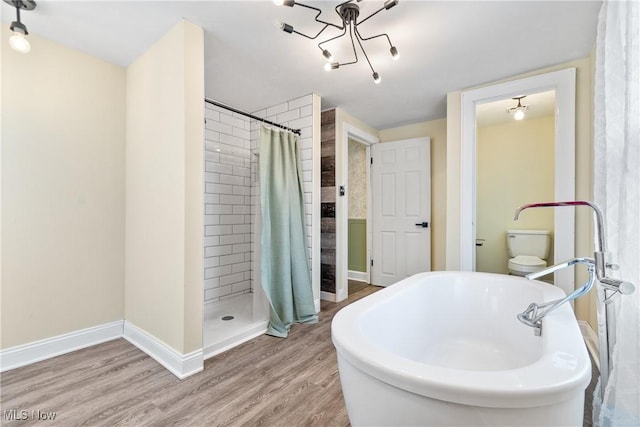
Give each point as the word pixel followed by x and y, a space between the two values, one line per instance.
pixel 232 192
pixel 228 221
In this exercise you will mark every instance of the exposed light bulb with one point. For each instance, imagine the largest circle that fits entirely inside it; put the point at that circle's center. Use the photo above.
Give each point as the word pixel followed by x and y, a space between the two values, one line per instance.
pixel 376 78
pixel 394 53
pixel 278 2
pixel 19 43
pixel 518 115
pixel 390 3
pixel 331 66
pixel 286 28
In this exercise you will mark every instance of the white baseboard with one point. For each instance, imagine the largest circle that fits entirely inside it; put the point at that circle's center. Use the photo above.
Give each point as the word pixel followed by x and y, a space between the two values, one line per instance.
pixel 591 340
pixel 360 276
pixel 36 351
pixel 328 296
pixel 180 365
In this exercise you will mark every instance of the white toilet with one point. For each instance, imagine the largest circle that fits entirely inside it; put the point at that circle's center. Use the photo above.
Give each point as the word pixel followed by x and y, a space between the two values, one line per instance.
pixel 528 250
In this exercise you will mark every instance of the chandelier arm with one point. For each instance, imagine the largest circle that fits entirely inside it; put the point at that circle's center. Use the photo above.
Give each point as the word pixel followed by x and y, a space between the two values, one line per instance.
pixel 363 51
pixel 371 16
pixel 373 37
pixel 355 53
pixel 318 14
pixel 309 37
pixel 333 38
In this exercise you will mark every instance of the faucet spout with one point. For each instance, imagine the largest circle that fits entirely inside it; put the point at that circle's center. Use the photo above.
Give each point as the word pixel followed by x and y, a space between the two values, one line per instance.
pixel 599 240
pixel 554 268
pixel 599 245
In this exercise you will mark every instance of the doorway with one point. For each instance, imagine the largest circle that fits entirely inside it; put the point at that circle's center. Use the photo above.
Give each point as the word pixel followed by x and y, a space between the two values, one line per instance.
pixel 563 83
pixel 357 195
pixel 353 135
pixel 515 164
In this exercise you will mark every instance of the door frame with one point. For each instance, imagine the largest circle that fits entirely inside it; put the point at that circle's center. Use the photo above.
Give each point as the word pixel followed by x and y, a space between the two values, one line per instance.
pixel 563 82
pixel 342 206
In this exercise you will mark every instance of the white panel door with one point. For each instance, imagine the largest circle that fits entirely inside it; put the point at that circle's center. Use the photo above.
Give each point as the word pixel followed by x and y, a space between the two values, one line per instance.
pixel 401 210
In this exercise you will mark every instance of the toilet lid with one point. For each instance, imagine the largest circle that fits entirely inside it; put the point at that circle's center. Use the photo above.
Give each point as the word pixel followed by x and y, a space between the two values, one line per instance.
pixel 528 260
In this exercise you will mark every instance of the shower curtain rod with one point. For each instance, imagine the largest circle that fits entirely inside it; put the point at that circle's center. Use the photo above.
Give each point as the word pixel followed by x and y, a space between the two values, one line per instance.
pixel 226 107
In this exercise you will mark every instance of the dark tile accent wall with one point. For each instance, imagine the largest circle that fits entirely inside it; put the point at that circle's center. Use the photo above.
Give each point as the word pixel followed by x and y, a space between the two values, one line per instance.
pixel 328 202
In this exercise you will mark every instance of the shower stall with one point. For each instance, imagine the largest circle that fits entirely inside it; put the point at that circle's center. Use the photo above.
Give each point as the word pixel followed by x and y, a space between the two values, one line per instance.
pixel 235 308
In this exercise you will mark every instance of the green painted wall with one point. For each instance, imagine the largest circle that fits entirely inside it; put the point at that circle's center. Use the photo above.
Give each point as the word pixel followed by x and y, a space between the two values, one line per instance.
pixel 357 244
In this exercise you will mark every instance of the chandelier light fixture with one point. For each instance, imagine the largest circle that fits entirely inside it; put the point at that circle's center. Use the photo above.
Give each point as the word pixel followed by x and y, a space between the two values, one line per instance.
pixel 518 112
pixel 348 13
pixel 18 41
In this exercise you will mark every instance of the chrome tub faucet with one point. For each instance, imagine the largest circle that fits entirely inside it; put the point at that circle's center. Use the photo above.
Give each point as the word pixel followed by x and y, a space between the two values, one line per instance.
pixel 597 267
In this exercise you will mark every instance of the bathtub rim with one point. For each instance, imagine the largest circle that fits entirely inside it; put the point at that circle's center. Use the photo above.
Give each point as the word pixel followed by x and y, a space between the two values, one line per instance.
pixel 480 388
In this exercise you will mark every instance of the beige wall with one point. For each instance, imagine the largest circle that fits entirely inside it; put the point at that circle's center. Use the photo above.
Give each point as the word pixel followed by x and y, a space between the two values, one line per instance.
pixel 63 127
pixel 585 307
pixel 437 131
pixel 164 194
pixel 514 165
pixel 343 117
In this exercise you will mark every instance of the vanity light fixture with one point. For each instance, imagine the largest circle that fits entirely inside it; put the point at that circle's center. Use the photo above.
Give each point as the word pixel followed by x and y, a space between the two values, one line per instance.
pixel 518 111
pixel 18 41
pixel 348 13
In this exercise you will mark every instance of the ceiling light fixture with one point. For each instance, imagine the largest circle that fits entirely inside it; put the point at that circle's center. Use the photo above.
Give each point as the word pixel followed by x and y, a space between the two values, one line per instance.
pixel 518 111
pixel 18 41
pixel 348 12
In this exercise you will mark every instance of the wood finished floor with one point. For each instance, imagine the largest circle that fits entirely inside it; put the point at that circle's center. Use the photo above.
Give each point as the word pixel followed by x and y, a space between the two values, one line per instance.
pixel 265 382
pixel 356 286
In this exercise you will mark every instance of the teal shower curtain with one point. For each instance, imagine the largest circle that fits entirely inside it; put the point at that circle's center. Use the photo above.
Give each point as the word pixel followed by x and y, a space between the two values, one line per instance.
pixel 285 266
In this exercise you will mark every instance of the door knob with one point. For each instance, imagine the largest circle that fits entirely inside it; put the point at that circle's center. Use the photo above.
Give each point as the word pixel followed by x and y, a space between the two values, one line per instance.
pixel 423 224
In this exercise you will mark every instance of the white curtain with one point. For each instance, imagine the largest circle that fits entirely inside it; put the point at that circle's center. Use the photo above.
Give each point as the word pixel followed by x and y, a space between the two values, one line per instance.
pixel 617 192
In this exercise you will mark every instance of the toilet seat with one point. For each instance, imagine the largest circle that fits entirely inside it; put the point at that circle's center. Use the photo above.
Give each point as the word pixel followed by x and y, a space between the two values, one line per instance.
pixel 525 264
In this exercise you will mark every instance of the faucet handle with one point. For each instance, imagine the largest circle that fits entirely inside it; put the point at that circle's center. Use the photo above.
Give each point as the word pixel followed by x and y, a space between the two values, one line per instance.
pixel 612 267
pixel 621 286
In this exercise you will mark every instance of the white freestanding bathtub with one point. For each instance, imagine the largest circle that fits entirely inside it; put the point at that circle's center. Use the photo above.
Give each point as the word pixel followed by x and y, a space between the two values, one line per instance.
pixel 446 348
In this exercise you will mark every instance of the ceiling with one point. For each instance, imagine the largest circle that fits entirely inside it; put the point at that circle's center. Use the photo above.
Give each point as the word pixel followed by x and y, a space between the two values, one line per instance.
pixel 250 63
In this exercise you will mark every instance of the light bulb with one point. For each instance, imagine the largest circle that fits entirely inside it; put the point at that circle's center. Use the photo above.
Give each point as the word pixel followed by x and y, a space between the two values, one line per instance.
pixel 327 55
pixel 390 3
pixel 394 53
pixel 19 43
pixel 286 28
pixel 518 115
pixel 278 2
pixel 331 66
pixel 376 78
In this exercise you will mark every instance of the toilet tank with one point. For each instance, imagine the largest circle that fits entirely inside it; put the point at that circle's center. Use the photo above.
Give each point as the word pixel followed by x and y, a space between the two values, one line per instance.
pixel 528 242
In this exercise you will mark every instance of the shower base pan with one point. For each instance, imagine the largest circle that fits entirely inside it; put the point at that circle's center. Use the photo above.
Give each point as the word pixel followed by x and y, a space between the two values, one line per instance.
pixel 230 322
